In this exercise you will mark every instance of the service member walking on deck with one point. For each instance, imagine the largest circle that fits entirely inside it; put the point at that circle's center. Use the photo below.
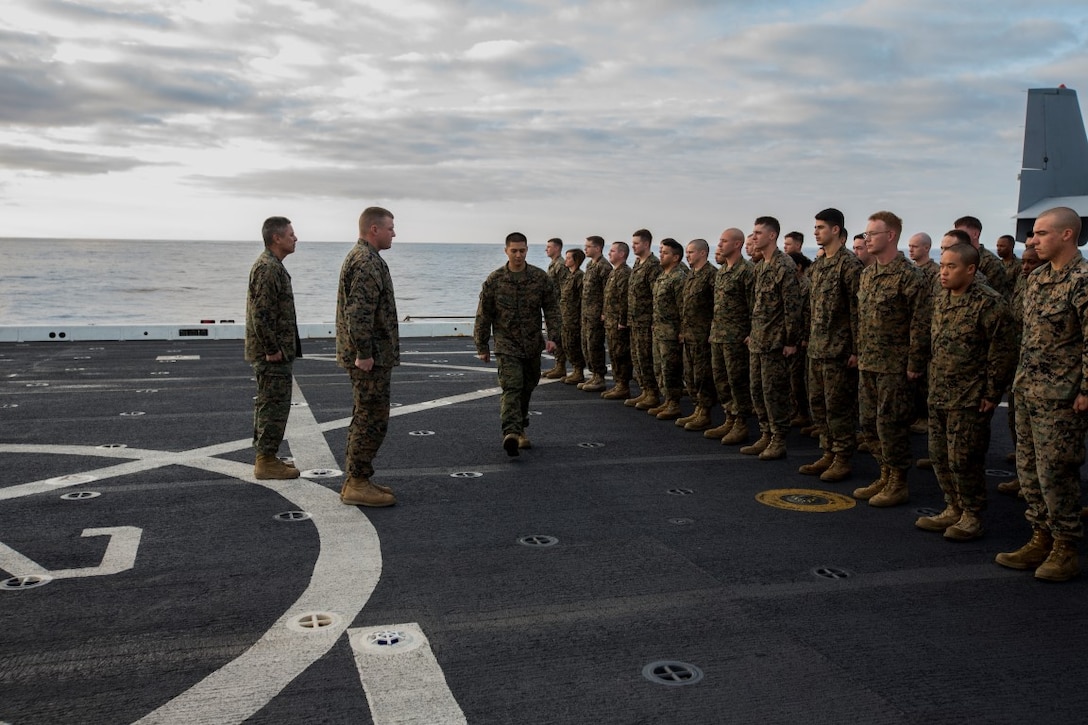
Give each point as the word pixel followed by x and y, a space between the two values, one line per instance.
pixel 1051 394
pixel 272 344
pixel 368 347
pixel 511 302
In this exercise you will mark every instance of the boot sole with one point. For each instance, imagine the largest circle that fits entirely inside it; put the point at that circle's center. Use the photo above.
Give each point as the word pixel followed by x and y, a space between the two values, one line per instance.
pixel 510 445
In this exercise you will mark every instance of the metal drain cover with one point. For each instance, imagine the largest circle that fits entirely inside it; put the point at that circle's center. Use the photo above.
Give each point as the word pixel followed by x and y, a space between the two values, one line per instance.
pixel 538 540
pixel 831 572
pixel 132 414
pixel 293 516
pixel 421 432
pixel 19 583
pixel 681 491
pixel 321 473
pixel 466 474
pixel 79 495
pixel 672 673
pixel 387 640
pixel 591 444
pixel 313 621
pixel 111 446
pixel 805 499
pixel 681 522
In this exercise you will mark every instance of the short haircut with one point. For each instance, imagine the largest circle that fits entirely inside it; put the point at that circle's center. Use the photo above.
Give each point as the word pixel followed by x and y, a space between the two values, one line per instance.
pixel 1064 218
pixel 700 245
pixel 672 244
pixel 858 236
pixel 890 220
pixel 966 252
pixel 624 247
pixel 833 217
pixel 596 241
pixel 556 241
pixel 1008 237
pixel 959 235
pixel 800 260
pixel 516 238
pixel 644 235
pixel 371 216
pixel 272 226
pixel 769 221
pixel 578 254
pixel 970 222
pixel 796 235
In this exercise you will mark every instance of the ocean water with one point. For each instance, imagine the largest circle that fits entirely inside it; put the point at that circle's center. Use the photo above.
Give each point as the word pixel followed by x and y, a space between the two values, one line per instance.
pixel 76 281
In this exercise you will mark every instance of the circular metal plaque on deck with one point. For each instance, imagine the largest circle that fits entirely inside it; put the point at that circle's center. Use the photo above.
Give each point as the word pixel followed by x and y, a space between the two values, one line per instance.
pixel 805 499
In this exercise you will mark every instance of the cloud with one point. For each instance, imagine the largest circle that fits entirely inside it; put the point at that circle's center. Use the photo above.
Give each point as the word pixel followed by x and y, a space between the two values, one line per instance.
pixel 62 162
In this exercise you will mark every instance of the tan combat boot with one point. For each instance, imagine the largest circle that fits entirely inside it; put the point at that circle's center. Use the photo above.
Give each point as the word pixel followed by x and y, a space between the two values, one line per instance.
pixel 817 467
pixel 269 467
pixel 967 528
pixel 758 447
pixel 721 431
pixel 652 400
pixel 594 385
pixel 632 402
pixel 839 470
pixel 669 410
pixel 575 377
pixel 510 444
pixel 619 391
pixel 1031 554
pixel 941 521
pixel 523 441
pixel 1010 487
pixel 737 434
pixel 1062 564
pixel 895 492
pixel 775 450
pixel 654 410
pixel 682 421
pixel 555 371
pixel 925 464
pixel 361 492
pixel 699 421
pixel 867 492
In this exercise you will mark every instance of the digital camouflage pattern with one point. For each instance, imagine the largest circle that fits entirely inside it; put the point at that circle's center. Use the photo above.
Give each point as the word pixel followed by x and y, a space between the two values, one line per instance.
pixel 668 359
pixel 696 316
pixel 958 439
pixel 1049 454
pixel 518 378
pixel 893 318
pixel 596 276
pixel 770 391
pixel 640 317
pixel 796 364
pixel 570 308
pixel 776 308
pixel 995 273
pixel 734 295
pixel 616 322
pixel 366 310
pixel 369 418
pixel 931 270
pixel 557 272
pixel 510 307
pixel 1013 268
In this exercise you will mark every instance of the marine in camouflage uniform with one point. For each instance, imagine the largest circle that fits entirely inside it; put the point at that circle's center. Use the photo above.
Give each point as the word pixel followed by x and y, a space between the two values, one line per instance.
pixel 668 357
pixel 640 319
pixel 1051 391
pixel 617 330
pixel 512 299
pixel 570 310
pixel 734 295
pixel 557 272
pixel 696 316
pixel 893 350
pixel 776 334
pixel 798 364
pixel 368 347
pixel 833 349
pixel 597 272
pixel 271 346
pixel 971 364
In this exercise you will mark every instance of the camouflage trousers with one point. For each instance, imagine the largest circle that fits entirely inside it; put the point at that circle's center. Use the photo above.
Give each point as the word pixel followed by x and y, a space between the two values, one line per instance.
pixel 369 419
pixel 518 377
pixel 272 406
pixel 1049 454
pixel 699 373
pixel 771 391
pixel 619 352
pixel 669 365
pixel 1012 416
pixel 798 367
pixel 833 400
pixel 642 357
pixel 886 406
pixel 729 363
pixel 957 446
pixel 593 345
pixel 572 345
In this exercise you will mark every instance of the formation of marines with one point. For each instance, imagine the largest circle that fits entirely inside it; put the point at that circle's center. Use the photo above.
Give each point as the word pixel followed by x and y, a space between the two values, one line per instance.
pixel 885 344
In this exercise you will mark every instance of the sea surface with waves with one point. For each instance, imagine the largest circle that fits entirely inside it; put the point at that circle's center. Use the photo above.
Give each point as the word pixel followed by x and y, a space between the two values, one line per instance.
pixel 77 281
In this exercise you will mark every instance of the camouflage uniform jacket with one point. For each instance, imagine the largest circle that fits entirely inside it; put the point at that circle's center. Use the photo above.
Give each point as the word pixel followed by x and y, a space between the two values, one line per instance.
pixel 366 310
pixel 734 295
pixel 270 311
pixel 640 291
pixel 557 272
pixel 510 305
pixel 777 320
pixel 1013 268
pixel 1016 303
pixel 570 296
pixel 894 312
pixel 697 304
pixel 593 289
pixel 974 354
pixel 833 330
pixel 1054 350
pixel 668 291
pixel 805 285
pixel 991 265
pixel 615 297
pixel 932 271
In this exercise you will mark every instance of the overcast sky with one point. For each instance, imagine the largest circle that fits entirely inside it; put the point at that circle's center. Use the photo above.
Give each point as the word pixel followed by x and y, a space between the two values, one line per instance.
pixel 196 119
